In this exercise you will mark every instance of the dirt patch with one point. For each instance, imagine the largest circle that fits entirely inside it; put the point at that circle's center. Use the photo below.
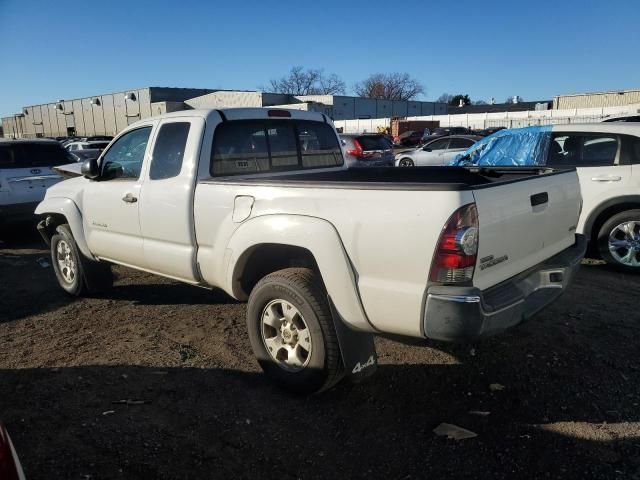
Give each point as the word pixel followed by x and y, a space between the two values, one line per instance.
pixel 157 380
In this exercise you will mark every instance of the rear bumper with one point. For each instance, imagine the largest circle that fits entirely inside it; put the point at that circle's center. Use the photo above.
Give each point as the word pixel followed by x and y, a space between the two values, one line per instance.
pixel 467 313
pixel 18 212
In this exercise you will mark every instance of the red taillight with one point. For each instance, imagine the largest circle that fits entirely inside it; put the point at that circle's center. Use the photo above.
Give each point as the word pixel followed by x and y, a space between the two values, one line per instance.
pixel 358 151
pixel 279 113
pixel 455 256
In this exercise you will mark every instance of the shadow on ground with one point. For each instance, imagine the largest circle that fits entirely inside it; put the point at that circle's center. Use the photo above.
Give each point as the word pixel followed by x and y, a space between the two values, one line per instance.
pixel 217 423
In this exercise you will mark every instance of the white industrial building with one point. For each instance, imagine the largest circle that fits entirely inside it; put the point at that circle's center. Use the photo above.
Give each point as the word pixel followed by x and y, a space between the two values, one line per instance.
pixel 108 114
pixel 597 99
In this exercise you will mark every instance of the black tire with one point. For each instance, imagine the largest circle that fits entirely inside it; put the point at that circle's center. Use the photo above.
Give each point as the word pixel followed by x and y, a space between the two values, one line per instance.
pixel 608 228
pixel 406 162
pixel 303 289
pixel 85 276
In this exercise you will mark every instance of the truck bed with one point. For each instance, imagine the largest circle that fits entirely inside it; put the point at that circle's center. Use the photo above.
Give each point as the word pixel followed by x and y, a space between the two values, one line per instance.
pixel 414 178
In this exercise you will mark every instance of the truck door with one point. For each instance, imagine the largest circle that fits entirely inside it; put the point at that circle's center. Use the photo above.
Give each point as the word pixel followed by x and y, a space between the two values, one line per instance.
pixel 110 205
pixel 166 207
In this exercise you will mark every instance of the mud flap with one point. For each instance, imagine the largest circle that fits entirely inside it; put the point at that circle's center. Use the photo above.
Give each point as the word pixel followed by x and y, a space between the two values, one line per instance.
pixel 357 349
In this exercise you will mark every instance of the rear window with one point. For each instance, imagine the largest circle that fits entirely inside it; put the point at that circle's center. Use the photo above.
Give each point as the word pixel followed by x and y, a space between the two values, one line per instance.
pixel 100 145
pixel 373 143
pixel 256 146
pixel 29 155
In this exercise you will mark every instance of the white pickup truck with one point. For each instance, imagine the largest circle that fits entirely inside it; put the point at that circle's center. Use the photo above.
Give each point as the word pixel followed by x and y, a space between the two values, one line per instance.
pixel 259 203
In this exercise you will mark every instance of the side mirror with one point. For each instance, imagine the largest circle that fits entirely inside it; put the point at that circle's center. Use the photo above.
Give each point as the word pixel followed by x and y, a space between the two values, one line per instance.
pixel 90 169
pixel 427 149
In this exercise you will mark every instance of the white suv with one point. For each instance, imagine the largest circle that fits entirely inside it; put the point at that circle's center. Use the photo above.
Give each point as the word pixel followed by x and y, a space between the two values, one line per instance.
pixel 25 174
pixel 607 159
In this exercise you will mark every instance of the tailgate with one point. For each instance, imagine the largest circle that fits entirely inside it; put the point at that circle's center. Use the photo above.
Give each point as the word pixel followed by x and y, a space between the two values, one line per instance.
pixel 523 223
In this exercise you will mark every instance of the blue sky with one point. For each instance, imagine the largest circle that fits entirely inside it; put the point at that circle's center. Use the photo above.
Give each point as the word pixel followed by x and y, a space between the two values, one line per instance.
pixel 535 49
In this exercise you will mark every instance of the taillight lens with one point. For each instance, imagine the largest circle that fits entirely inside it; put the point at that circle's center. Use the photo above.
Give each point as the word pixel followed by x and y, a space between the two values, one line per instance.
pixel 357 151
pixel 455 256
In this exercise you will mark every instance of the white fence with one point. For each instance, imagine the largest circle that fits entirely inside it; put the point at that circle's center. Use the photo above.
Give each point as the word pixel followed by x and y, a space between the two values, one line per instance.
pixel 502 119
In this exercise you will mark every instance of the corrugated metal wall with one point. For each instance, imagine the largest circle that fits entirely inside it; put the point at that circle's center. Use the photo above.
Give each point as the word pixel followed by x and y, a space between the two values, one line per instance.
pixel 596 100
pixel 110 113
pixel 98 115
pixel 507 119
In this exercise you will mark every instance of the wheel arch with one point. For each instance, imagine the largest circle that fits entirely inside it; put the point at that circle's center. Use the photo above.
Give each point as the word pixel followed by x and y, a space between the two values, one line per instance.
pixel 606 210
pixel 271 242
pixel 57 211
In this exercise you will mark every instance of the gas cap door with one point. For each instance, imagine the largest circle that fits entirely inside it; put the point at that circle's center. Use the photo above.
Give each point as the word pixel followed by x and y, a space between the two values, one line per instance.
pixel 242 206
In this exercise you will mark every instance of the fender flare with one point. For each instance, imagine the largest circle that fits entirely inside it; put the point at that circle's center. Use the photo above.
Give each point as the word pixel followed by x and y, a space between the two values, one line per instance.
pixel 311 233
pixel 598 210
pixel 67 208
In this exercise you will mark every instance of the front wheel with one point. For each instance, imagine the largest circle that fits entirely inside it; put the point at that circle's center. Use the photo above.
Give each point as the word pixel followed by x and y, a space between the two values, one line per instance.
pixel 405 162
pixel 76 274
pixel 619 241
pixel 291 331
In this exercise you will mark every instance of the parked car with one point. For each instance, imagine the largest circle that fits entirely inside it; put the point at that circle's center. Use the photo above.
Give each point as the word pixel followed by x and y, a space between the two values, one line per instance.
pixel 436 152
pixel 263 206
pixel 67 140
pixel 444 132
pixel 485 132
pixel 86 154
pixel 90 145
pixel 10 468
pixel 367 151
pixel 624 118
pixel 103 138
pixel 25 174
pixel 607 159
pixel 409 139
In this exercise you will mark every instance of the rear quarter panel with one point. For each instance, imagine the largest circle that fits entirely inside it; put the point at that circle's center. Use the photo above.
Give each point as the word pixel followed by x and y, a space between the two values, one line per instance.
pixel 389 237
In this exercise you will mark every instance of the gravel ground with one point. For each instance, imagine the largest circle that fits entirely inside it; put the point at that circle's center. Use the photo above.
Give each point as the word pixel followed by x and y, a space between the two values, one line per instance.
pixel 157 380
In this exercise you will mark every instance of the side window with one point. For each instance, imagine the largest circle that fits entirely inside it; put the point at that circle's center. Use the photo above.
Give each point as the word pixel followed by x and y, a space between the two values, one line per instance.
pixel 438 144
pixel 124 158
pixel 318 145
pixel 583 150
pixel 168 150
pixel 636 151
pixel 460 143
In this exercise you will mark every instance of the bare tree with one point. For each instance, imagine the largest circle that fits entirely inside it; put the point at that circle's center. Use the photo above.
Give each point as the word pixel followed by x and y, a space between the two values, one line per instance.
pixel 301 81
pixel 444 98
pixel 390 86
pixel 454 100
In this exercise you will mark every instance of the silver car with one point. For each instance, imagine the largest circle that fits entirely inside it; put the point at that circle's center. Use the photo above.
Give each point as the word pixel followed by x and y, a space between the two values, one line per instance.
pixel 367 150
pixel 437 152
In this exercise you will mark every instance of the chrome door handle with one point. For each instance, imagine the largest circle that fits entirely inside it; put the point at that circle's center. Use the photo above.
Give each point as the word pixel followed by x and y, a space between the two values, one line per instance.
pixel 608 178
pixel 129 198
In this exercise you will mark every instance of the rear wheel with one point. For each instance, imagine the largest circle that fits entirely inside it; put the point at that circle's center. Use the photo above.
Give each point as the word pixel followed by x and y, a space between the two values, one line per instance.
pixel 76 274
pixel 405 162
pixel 291 331
pixel 619 241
